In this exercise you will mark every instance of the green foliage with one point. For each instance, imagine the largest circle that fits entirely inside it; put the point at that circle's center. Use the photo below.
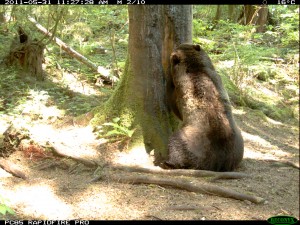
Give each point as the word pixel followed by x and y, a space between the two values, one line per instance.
pixel 115 130
pixel 241 52
pixel 247 60
pixel 13 92
pixel 288 25
pixel 18 92
pixel 4 208
pixel 201 28
pixel 82 28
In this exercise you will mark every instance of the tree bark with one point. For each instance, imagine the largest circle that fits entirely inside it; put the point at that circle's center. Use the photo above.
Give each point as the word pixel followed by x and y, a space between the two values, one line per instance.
pixel 154 31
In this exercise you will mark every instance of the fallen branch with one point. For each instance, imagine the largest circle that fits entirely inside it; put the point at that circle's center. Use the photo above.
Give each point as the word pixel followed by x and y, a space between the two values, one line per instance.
pixel 12 169
pixel 104 73
pixel 182 184
pixel 182 172
pixel 276 60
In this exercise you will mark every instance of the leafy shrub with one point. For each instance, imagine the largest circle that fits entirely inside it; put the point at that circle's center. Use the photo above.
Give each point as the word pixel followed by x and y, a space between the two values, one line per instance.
pixel 4 208
pixel 115 130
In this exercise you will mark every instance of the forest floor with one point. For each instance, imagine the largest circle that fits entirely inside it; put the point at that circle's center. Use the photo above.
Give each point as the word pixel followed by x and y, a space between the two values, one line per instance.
pixel 60 188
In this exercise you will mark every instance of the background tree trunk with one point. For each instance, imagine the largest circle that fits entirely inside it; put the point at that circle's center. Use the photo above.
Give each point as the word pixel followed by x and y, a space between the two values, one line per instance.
pixel 104 73
pixel 2 17
pixel 154 31
pixel 256 15
pixel 262 19
pixel 218 14
pixel 232 12
pixel 28 54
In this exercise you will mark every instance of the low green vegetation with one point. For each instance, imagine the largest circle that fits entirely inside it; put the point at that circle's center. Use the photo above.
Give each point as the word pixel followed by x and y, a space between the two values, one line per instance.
pixel 114 130
pixel 4 208
pixel 259 70
pixel 18 92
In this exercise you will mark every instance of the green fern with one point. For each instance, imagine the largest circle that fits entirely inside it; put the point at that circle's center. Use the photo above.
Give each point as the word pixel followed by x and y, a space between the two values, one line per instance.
pixel 4 209
pixel 116 129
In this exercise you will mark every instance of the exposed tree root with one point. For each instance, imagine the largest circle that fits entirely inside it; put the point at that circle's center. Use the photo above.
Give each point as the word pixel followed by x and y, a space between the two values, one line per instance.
pixel 185 185
pixel 58 150
pixel 182 208
pixel 229 175
pixel 176 183
pixel 52 164
pixel 285 162
pixel 153 217
pixel 182 172
pixel 12 169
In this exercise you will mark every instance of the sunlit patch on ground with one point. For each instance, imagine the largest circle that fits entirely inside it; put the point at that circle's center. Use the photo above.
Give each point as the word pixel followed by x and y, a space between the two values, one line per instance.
pixel 4 174
pixel 259 148
pixel 36 105
pixel 75 84
pixel 273 121
pixel 38 201
pixel 84 145
pixel 136 156
pixel 238 111
pixel 107 204
pixel 100 202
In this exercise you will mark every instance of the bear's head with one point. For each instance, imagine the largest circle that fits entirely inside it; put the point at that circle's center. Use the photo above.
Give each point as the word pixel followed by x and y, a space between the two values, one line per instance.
pixel 192 56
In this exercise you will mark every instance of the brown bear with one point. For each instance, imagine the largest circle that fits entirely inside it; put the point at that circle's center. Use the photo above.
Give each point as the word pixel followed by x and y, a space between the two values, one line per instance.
pixel 209 138
pixel 171 97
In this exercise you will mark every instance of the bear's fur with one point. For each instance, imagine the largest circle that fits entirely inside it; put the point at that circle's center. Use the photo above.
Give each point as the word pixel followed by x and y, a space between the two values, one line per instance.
pixel 172 97
pixel 209 138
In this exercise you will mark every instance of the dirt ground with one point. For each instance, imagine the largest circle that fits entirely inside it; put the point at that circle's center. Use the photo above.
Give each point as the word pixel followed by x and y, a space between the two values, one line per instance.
pixel 62 190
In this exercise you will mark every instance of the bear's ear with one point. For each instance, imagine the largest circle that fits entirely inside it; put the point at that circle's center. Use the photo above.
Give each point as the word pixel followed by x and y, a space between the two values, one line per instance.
pixel 175 59
pixel 197 47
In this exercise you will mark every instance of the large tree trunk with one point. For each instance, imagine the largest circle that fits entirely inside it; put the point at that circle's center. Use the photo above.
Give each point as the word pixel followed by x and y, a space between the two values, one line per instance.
pixel 154 31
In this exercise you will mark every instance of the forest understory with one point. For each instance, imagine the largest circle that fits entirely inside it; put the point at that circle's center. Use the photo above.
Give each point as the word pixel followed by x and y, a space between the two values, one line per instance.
pixel 55 164
pixel 61 188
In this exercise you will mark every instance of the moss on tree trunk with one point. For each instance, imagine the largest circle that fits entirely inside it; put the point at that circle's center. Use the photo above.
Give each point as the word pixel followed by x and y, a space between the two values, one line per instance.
pixel 140 97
